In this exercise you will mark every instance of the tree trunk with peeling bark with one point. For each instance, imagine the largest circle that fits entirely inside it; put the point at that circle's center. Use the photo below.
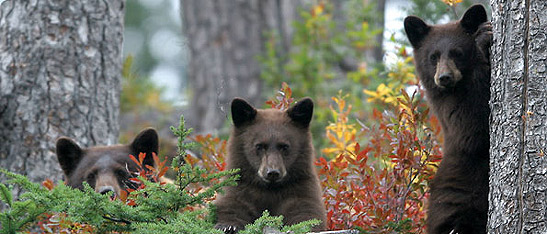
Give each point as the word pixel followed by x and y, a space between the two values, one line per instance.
pixel 60 74
pixel 224 39
pixel 518 132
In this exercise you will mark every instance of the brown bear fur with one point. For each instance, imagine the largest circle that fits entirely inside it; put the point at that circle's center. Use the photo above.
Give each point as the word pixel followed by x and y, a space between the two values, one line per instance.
pixel 274 151
pixel 105 168
pixel 452 62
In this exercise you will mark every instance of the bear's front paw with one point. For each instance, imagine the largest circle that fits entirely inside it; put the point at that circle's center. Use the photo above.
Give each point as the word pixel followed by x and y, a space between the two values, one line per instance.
pixel 483 38
pixel 227 229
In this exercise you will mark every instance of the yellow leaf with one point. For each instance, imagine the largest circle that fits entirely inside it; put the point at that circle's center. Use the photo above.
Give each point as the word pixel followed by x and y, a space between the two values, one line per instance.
pixel 451 2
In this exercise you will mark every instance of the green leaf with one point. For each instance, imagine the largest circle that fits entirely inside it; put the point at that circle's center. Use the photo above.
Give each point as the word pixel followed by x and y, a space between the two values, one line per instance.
pixel 5 195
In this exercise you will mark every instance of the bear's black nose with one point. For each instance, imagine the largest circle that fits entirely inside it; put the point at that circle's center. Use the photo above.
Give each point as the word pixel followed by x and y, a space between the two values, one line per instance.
pixel 272 175
pixel 106 189
pixel 445 79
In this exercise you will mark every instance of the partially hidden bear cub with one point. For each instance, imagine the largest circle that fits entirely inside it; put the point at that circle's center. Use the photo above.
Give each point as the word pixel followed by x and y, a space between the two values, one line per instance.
pixel 105 168
pixel 452 63
pixel 274 152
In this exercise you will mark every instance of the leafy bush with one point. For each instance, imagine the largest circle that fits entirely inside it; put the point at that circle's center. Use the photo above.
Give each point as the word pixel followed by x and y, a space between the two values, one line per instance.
pixel 152 208
pixel 380 186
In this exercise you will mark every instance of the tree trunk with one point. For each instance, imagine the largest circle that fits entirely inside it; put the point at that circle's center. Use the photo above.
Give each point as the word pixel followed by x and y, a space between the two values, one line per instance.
pixel 224 38
pixel 378 51
pixel 518 171
pixel 60 74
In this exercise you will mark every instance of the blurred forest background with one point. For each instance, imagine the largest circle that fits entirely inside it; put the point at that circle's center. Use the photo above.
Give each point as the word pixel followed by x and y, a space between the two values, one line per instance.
pixel 192 57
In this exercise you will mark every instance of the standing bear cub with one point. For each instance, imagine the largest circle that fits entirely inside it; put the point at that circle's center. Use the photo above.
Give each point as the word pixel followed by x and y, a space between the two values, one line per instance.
pixel 452 62
pixel 105 168
pixel 274 152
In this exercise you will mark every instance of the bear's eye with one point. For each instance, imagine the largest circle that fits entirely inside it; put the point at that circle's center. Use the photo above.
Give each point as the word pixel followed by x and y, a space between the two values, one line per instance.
pixel 434 57
pixel 456 53
pixel 282 147
pixel 90 177
pixel 121 173
pixel 261 147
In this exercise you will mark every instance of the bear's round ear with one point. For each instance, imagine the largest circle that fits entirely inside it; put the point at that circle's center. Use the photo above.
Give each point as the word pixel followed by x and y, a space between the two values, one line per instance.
pixel 146 142
pixel 242 112
pixel 68 153
pixel 416 29
pixel 473 18
pixel 302 112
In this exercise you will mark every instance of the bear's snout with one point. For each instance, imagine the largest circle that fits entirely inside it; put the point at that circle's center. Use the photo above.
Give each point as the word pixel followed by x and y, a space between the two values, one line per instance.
pixel 107 182
pixel 272 168
pixel 447 73
pixel 105 189
pixel 445 79
pixel 272 174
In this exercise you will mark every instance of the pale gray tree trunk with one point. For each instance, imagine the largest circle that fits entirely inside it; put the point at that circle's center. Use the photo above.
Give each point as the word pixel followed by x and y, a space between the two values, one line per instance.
pixel 518 134
pixel 224 39
pixel 60 74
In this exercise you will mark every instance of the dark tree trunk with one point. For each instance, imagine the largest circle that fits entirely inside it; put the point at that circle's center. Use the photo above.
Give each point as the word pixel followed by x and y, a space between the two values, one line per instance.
pixel 518 133
pixel 60 71
pixel 224 38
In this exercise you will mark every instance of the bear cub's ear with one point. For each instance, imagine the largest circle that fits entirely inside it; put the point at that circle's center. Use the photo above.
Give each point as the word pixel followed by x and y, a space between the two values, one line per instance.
pixel 416 29
pixel 473 18
pixel 146 142
pixel 302 112
pixel 68 153
pixel 242 112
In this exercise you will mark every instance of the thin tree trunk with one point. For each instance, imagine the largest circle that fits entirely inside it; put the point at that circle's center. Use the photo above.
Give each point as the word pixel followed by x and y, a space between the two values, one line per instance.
pixel 60 74
pixel 518 139
pixel 225 38
pixel 378 51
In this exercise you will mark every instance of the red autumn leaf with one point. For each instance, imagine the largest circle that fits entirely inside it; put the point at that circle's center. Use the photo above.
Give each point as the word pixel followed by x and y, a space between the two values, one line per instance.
pixel 151 168
pixel 135 180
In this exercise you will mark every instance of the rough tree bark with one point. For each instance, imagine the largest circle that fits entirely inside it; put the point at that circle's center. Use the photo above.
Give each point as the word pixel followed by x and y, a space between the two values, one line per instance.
pixel 518 134
pixel 224 38
pixel 60 74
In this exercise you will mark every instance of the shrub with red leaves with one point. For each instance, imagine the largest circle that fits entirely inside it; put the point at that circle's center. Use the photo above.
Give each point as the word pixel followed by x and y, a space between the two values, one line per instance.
pixel 380 186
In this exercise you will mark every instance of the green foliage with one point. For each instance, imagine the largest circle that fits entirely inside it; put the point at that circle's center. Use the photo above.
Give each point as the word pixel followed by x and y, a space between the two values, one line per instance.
pixel 18 214
pixel 313 67
pixel 434 12
pixel 276 223
pixel 154 207
pixel 139 93
pixel 318 47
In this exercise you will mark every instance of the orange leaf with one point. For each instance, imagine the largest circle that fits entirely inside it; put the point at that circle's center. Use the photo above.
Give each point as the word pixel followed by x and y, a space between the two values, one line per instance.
pixel 123 195
pixel 162 172
pixel 134 159
pixel 156 159
pixel 48 184
pixel 141 158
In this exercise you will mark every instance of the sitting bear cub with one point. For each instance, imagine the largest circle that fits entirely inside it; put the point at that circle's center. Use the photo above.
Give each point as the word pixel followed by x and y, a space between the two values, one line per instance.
pixel 105 168
pixel 452 63
pixel 274 152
